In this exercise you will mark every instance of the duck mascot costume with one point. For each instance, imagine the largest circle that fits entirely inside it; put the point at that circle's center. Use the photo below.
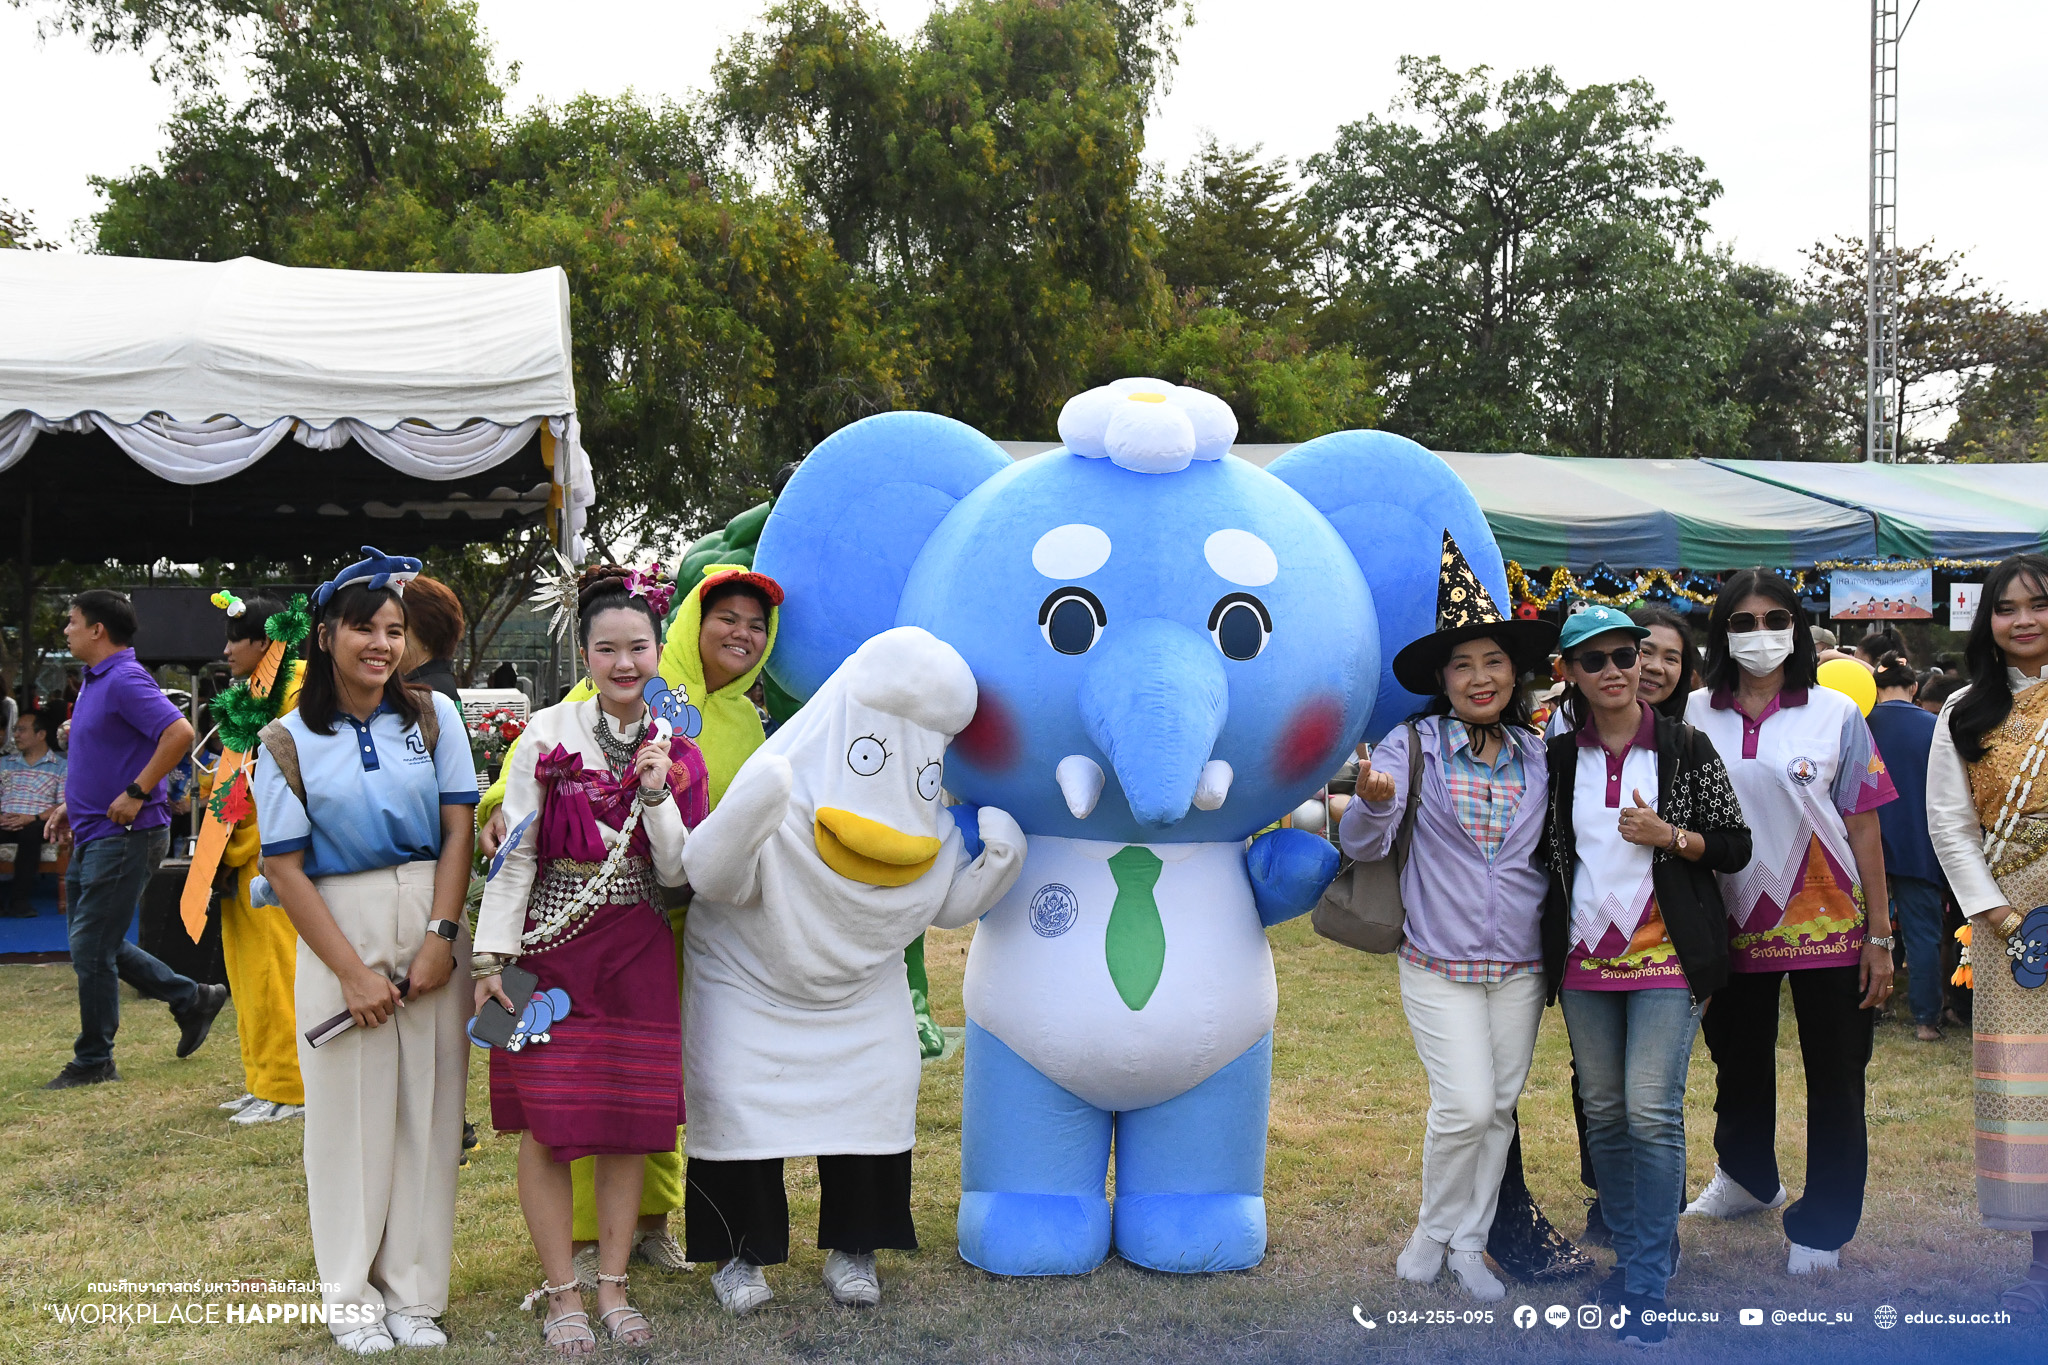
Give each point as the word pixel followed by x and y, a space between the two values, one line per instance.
pixel 1172 648
pixel 831 850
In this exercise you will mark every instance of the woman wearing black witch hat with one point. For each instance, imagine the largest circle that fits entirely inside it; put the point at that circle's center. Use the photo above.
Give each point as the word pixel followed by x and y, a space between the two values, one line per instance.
pixel 1471 963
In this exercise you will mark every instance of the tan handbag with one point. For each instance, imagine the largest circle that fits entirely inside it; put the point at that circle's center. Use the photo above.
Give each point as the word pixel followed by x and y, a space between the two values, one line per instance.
pixel 1362 908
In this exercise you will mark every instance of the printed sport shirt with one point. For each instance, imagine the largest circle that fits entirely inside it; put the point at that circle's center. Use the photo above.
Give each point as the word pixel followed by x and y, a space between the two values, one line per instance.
pixel 1618 937
pixel 1802 766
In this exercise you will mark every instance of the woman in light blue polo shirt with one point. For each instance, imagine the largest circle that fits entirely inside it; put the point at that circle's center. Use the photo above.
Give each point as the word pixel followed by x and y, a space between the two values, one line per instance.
pixel 365 797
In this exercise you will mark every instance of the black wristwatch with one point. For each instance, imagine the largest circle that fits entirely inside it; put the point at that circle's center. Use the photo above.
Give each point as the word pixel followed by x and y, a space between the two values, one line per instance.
pixel 446 928
pixel 135 790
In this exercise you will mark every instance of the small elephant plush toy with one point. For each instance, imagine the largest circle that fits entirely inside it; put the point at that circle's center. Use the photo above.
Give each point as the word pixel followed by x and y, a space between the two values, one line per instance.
pixel 1172 649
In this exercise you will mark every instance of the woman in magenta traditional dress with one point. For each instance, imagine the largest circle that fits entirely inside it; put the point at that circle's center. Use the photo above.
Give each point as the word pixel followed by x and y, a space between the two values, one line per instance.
pixel 599 799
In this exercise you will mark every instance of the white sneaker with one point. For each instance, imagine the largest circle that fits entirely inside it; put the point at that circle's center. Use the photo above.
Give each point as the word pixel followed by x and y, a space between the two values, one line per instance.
pixel 366 1341
pixel 659 1249
pixel 853 1279
pixel 1805 1260
pixel 267 1111
pixel 1421 1259
pixel 1481 1283
pixel 741 1287
pixel 232 1105
pixel 413 1329
pixel 1725 1198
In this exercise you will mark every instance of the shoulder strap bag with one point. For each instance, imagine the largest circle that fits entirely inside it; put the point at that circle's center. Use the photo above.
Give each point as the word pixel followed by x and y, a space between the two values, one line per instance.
pixel 1362 908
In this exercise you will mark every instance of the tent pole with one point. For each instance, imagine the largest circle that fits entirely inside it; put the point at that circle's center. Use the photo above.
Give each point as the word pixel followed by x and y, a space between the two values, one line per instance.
pixel 25 683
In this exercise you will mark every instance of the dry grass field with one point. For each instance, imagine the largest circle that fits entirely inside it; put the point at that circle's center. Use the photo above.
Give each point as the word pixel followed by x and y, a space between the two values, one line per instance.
pixel 145 1181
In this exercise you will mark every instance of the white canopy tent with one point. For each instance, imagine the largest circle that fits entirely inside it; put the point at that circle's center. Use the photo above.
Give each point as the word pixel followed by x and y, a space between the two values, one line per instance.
pixel 459 388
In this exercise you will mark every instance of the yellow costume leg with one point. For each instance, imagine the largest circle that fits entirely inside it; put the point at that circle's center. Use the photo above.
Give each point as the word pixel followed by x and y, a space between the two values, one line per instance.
pixel 262 952
pixel 662 1191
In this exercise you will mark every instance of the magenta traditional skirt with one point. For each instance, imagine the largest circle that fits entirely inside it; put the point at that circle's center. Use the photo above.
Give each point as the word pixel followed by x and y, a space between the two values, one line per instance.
pixel 609 1082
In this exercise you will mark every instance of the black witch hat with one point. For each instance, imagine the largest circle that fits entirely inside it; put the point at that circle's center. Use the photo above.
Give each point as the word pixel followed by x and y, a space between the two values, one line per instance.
pixel 1466 611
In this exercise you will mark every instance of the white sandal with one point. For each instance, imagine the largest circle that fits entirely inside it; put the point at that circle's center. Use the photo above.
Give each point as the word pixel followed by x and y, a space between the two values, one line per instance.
pixel 620 1333
pixel 567 1323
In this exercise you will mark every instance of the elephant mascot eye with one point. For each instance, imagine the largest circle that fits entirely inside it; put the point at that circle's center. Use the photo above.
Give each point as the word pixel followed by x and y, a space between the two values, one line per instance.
pixel 1071 620
pixel 1240 625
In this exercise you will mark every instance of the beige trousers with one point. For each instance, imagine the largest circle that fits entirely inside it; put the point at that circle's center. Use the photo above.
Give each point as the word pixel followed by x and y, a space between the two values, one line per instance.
pixel 1476 1042
pixel 384 1106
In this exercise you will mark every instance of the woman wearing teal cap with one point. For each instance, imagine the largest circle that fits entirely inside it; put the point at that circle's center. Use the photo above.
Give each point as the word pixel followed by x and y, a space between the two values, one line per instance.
pixel 1635 937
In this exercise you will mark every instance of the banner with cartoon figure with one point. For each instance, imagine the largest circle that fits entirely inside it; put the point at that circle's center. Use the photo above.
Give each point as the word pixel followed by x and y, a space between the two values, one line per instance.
pixel 1881 594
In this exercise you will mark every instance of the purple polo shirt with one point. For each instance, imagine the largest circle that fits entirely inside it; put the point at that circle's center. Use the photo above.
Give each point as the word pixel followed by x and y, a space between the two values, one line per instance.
pixel 120 715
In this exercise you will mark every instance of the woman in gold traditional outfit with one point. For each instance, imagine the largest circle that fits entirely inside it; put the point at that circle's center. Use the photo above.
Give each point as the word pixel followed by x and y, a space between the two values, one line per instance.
pixel 1987 814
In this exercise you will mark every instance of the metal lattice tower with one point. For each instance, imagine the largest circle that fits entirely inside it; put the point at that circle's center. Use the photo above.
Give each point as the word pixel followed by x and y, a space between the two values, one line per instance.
pixel 1882 393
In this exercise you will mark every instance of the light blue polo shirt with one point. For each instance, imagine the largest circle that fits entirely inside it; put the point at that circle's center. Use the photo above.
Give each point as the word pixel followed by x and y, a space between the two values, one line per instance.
pixel 373 792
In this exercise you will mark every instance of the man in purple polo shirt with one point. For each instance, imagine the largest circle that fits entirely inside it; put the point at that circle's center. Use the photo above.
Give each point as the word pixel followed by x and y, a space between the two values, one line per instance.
pixel 126 736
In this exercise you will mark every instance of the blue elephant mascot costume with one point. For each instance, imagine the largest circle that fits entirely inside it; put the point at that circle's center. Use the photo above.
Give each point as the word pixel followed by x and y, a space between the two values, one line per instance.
pixel 1172 650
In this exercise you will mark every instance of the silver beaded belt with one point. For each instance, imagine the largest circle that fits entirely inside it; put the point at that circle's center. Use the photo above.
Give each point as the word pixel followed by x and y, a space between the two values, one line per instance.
pixel 554 914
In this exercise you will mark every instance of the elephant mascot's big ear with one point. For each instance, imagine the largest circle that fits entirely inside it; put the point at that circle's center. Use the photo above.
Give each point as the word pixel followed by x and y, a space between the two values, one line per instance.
pixel 1391 501
pixel 848 526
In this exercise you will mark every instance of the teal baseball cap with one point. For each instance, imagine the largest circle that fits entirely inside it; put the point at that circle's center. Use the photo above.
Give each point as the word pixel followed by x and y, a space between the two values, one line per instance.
pixel 1594 619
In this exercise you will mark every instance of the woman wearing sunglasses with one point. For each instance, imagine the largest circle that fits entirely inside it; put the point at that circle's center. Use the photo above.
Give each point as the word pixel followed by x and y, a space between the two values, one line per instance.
pixel 1811 905
pixel 1635 935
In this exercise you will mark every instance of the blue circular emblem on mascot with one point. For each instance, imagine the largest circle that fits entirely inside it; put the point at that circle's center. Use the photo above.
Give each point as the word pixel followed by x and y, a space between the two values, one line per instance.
pixel 1171 649
pixel 1054 908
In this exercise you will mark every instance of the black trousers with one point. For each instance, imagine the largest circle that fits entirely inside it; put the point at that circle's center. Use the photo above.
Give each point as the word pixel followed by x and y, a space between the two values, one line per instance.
pixel 740 1208
pixel 28 863
pixel 1835 1036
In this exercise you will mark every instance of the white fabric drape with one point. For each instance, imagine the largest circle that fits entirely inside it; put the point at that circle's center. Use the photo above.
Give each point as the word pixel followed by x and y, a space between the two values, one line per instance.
pixel 18 431
pixel 193 452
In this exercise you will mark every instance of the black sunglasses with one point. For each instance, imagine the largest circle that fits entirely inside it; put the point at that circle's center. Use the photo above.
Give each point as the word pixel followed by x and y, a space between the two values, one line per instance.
pixel 1743 622
pixel 1595 660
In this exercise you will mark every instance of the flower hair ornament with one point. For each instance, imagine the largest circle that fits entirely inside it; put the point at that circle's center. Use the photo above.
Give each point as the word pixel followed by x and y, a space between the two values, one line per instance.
pixel 377 569
pixel 229 603
pixel 560 592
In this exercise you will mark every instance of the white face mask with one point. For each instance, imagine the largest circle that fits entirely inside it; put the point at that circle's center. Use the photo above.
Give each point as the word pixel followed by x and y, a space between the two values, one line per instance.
pixel 1760 651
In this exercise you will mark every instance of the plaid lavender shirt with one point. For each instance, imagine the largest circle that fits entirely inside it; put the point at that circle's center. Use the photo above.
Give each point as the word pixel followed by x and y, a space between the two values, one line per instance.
pixel 1483 794
pixel 31 788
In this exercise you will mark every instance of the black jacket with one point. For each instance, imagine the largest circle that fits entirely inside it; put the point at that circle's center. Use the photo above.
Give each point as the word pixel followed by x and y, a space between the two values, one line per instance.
pixel 1693 793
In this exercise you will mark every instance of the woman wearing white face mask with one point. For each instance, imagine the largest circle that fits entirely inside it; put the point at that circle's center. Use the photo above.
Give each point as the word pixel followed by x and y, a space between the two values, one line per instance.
pixel 1811 905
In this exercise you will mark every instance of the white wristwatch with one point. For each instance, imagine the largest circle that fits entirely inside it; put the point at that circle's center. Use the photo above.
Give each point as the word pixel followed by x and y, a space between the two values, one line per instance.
pixel 446 928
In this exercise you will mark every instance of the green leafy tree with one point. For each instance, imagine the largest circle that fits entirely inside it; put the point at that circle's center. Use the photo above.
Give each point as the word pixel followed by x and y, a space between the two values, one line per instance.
pixel 1228 230
pixel 18 230
pixel 1778 377
pixel 1478 237
pixel 2003 414
pixel 347 97
pixel 980 176
pixel 1954 335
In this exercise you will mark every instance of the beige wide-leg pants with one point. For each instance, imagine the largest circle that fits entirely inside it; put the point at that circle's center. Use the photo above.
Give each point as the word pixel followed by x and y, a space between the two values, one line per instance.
pixel 384 1106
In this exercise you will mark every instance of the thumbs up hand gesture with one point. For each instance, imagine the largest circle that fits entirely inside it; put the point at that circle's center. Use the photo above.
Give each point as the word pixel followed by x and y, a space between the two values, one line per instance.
pixel 1642 825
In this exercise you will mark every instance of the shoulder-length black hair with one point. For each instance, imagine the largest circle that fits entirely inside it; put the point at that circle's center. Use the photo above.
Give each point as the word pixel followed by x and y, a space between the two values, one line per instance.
pixel 1989 701
pixel 1721 671
pixel 355 605
pixel 1673 705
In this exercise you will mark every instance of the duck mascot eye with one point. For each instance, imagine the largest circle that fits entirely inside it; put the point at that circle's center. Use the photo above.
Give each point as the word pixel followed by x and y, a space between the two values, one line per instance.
pixel 1170 648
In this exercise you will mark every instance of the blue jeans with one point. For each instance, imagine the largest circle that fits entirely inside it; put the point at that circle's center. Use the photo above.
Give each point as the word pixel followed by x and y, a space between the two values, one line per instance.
pixel 104 884
pixel 1916 909
pixel 1632 1049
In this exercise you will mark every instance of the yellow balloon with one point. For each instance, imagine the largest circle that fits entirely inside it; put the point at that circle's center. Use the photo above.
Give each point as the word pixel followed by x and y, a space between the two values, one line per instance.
pixel 1852 680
